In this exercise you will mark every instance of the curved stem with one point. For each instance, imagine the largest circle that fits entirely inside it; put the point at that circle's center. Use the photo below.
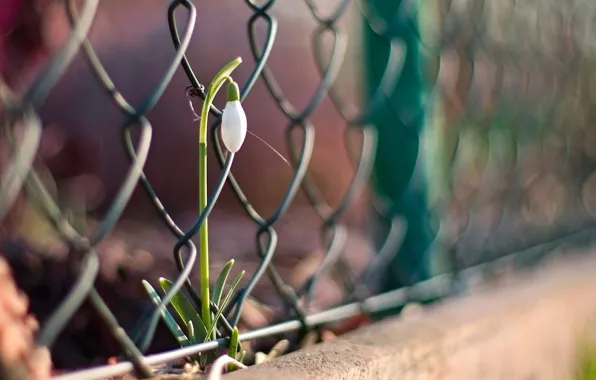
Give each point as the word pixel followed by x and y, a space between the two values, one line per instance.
pixel 216 84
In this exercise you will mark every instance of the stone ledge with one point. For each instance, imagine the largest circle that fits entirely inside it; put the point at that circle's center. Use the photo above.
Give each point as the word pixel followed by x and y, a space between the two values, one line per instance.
pixel 525 329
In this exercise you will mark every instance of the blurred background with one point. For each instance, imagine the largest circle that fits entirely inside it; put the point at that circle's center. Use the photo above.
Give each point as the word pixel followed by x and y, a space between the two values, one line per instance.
pixel 483 141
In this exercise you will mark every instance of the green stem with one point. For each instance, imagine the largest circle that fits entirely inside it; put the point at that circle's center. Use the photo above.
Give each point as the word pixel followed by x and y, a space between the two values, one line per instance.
pixel 216 84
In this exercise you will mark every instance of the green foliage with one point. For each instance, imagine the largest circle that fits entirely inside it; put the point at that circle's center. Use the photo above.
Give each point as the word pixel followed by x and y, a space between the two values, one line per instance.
pixel 586 369
pixel 222 305
pixel 167 317
pixel 197 330
pixel 233 348
pixel 191 333
pixel 221 281
pixel 185 310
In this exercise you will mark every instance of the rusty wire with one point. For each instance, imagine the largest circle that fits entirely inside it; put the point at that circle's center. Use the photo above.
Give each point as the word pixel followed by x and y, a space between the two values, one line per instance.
pixel 538 56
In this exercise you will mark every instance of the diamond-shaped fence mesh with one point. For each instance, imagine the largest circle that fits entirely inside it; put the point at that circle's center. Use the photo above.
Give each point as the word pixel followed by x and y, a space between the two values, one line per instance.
pixel 515 84
pixel 475 135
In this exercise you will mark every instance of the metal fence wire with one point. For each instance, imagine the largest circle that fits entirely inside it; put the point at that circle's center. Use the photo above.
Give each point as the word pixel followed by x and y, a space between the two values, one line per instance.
pixel 506 152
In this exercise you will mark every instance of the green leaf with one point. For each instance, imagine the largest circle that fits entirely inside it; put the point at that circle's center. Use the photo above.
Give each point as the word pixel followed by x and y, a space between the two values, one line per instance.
pixel 193 340
pixel 191 333
pixel 233 347
pixel 185 310
pixel 233 287
pixel 220 283
pixel 167 317
pixel 234 341
pixel 225 302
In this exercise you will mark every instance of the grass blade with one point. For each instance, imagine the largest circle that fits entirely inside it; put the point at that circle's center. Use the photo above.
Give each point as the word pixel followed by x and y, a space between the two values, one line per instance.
pixel 226 300
pixel 191 332
pixel 185 310
pixel 167 317
pixel 233 348
pixel 193 340
pixel 233 287
pixel 220 283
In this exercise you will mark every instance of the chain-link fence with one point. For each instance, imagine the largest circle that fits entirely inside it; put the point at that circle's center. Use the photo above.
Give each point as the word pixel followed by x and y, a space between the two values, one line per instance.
pixel 516 138
pixel 476 130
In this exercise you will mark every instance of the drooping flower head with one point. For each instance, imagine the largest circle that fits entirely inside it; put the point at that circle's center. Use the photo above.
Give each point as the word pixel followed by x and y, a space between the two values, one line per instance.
pixel 233 120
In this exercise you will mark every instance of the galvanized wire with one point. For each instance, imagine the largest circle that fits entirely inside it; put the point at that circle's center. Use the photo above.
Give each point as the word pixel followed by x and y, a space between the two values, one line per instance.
pixel 514 38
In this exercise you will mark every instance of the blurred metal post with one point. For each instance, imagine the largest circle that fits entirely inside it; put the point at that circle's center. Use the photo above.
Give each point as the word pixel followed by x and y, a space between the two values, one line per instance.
pixel 400 175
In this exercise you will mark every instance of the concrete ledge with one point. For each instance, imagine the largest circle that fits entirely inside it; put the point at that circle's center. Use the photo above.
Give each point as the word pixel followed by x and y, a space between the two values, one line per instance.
pixel 528 328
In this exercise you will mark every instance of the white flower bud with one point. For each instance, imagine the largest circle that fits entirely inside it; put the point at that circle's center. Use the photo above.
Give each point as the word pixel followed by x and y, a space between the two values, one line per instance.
pixel 233 120
pixel 233 126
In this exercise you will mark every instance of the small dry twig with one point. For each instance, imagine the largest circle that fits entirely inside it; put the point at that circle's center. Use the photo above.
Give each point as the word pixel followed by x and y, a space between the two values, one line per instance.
pixel 220 364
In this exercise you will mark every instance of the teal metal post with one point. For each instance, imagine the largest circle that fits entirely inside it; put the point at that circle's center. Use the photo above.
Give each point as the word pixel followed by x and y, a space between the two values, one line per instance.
pixel 400 175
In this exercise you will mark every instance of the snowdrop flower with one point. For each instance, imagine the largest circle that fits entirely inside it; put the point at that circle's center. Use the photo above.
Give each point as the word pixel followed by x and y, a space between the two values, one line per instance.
pixel 233 120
